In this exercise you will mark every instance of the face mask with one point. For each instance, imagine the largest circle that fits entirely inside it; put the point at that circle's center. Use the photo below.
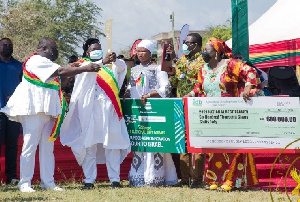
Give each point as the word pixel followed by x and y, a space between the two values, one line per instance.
pixel 206 57
pixel 96 54
pixel 185 49
pixel 7 51
pixel 54 54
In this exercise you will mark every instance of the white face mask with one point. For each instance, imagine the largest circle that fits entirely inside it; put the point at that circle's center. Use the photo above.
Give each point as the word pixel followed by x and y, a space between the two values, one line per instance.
pixel 185 49
pixel 96 54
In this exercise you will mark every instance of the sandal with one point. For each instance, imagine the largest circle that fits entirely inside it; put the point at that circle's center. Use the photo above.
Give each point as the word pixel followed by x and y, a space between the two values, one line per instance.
pixel 227 186
pixel 213 187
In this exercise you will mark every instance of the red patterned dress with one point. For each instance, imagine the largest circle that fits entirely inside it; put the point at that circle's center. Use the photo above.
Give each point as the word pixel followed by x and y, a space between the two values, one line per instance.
pixel 228 80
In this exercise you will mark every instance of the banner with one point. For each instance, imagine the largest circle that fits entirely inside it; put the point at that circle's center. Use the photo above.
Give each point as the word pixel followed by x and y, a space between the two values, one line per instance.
pixel 183 34
pixel 157 126
pixel 263 124
pixel 133 48
pixel 240 36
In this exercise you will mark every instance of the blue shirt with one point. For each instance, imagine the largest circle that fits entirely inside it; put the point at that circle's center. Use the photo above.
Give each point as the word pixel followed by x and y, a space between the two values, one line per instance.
pixel 10 77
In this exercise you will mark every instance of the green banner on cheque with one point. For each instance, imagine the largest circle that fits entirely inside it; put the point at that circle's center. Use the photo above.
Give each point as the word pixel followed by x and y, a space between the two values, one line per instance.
pixel 157 126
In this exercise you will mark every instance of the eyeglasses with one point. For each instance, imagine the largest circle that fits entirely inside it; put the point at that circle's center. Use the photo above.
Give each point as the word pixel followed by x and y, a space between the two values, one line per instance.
pixel 188 42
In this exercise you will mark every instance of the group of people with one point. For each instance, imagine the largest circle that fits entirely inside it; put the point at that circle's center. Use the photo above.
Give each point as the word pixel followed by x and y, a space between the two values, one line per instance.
pixel 93 125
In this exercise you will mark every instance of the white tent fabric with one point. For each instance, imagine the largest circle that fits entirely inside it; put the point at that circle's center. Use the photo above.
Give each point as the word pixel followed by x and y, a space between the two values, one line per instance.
pixel 280 22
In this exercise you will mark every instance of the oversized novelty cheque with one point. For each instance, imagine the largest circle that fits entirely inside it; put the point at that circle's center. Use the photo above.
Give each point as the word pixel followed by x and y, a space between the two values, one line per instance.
pixel 259 125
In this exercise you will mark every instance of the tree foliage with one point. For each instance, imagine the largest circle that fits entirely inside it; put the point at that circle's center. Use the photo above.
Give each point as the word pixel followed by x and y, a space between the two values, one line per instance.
pixel 68 22
pixel 223 32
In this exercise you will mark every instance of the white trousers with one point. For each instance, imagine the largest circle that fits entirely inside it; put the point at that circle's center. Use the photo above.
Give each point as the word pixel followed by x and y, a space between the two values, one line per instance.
pixel 89 165
pixel 36 131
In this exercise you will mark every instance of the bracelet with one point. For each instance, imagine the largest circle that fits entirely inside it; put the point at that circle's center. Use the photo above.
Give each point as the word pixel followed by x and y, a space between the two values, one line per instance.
pixel 149 95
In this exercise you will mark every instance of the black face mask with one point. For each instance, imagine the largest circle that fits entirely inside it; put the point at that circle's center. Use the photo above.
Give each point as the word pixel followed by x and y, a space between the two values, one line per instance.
pixel 7 51
pixel 206 57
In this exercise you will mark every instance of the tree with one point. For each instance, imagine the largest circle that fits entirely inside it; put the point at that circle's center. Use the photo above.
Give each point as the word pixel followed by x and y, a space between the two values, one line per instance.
pixel 223 32
pixel 68 22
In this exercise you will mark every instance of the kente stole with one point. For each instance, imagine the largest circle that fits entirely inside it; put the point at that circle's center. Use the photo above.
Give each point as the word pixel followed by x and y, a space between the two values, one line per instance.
pixel 55 84
pixel 106 80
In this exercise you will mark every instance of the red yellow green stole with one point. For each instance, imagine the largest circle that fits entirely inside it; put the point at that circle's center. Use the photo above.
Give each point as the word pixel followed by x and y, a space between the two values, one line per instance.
pixel 107 81
pixel 55 85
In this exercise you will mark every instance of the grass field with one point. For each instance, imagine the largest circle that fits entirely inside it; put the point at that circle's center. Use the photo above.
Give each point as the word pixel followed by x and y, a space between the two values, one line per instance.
pixel 103 192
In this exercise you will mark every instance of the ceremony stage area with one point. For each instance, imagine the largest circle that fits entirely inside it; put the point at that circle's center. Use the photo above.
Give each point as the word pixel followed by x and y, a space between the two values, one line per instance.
pixel 67 168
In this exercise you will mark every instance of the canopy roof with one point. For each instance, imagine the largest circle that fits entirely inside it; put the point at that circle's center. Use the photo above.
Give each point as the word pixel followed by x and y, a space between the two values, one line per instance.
pixel 274 39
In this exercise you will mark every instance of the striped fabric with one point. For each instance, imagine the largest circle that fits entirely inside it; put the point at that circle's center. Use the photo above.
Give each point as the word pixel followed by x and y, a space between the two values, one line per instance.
pixel 280 53
pixel 107 81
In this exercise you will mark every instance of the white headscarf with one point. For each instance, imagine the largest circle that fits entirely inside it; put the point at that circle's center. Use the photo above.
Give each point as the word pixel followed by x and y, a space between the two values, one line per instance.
pixel 148 44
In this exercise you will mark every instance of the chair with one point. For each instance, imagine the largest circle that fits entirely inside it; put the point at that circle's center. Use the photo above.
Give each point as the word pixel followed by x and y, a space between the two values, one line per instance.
pixel 282 80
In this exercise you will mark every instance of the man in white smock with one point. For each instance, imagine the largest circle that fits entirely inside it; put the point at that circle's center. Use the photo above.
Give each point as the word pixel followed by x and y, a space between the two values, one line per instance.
pixel 37 103
pixel 94 127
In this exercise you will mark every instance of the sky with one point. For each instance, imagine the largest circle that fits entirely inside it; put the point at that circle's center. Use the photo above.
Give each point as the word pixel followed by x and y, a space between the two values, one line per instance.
pixel 133 19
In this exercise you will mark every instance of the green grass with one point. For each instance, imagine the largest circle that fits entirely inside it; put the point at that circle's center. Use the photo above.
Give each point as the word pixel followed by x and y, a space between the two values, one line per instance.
pixel 103 192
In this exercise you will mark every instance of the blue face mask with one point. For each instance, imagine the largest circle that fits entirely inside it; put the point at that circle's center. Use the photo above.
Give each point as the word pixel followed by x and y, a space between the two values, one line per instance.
pixel 96 54
pixel 185 49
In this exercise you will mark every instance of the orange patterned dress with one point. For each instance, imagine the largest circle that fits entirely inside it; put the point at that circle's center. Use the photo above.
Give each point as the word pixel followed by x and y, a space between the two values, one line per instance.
pixel 228 80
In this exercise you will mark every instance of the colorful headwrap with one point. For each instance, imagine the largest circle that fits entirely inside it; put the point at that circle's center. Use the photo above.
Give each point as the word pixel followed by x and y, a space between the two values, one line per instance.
pixel 221 47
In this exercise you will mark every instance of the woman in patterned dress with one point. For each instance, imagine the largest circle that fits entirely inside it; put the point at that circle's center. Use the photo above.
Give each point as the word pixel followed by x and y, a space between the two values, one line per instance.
pixel 224 77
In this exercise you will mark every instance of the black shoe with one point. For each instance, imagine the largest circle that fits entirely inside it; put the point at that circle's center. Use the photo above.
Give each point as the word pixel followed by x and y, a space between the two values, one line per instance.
pixel 115 185
pixel 183 183
pixel 87 186
pixel 12 182
pixel 196 184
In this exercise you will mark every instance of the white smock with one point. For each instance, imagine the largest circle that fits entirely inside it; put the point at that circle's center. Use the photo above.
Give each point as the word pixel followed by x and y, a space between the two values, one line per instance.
pixel 92 119
pixel 30 99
